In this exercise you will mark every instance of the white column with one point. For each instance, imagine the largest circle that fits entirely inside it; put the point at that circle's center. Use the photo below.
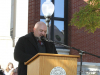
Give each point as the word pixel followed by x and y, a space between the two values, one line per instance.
pixel 5 19
pixel 21 24
pixel 6 49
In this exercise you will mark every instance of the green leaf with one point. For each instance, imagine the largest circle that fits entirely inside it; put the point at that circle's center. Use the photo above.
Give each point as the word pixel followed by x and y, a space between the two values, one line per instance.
pixel 88 16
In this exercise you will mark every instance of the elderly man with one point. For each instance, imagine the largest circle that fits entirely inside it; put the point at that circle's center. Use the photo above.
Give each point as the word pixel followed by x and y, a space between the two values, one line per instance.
pixel 29 45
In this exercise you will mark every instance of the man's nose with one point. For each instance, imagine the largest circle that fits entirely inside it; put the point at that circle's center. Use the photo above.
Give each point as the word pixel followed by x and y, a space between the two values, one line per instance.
pixel 43 33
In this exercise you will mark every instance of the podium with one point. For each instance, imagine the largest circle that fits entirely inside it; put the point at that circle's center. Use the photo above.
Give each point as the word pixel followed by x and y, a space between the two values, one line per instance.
pixel 52 64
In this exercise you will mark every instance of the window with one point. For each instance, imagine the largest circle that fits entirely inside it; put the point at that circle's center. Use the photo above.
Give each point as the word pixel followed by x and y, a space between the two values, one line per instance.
pixel 59 8
pixel 58 23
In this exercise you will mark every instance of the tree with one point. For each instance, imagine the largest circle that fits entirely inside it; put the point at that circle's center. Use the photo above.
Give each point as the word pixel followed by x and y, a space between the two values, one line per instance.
pixel 88 16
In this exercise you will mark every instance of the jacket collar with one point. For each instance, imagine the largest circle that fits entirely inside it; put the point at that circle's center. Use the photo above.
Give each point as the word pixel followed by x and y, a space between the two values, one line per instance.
pixel 32 39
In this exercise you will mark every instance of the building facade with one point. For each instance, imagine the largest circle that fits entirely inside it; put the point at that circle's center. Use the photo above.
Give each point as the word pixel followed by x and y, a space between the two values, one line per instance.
pixel 19 17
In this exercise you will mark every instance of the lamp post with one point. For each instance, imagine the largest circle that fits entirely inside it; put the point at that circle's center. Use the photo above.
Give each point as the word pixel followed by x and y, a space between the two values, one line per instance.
pixel 47 9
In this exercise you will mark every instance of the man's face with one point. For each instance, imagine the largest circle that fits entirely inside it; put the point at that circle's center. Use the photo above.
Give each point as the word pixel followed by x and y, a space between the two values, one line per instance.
pixel 41 30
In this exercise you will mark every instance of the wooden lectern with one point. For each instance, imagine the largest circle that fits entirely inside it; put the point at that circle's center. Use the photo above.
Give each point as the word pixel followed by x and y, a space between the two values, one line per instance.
pixel 43 63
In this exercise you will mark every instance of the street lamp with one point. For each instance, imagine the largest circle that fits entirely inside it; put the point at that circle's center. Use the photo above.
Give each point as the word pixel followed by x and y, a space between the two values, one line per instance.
pixel 47 9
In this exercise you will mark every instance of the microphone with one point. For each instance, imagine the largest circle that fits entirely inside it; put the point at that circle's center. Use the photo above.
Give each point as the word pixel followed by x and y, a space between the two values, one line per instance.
pixel 43 38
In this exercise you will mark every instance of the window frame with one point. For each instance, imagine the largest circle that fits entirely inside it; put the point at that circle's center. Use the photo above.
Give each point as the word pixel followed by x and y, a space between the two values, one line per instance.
pixel 65 19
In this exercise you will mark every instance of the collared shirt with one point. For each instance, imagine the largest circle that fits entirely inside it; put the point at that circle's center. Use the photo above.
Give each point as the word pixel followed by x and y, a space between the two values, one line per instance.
pixel 41 46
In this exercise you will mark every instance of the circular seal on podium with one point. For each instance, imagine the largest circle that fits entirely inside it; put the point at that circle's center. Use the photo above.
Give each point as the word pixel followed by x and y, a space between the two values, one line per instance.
pixel 58 71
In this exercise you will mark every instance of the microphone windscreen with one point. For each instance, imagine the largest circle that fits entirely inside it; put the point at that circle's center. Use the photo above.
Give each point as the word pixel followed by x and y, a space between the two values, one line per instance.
pixel 42 38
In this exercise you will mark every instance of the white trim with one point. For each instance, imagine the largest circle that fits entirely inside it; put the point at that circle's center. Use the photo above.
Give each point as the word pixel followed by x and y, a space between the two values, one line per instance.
pixel 89 64
pixel 63 51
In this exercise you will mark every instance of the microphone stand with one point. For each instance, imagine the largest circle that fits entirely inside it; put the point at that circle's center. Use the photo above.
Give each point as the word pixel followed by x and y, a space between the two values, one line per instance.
pixel 81 52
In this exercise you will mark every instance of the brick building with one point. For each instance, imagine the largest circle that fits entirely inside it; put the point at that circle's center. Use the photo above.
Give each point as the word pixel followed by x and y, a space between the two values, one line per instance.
pixel 24 15
pixel 77 38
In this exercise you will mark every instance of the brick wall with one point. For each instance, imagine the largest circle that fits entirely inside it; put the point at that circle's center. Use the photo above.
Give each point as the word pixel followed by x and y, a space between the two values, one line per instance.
pixel 33 14
pixel 80 39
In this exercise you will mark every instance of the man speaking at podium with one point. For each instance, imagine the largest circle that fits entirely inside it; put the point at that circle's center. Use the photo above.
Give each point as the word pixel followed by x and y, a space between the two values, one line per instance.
pixel 31 44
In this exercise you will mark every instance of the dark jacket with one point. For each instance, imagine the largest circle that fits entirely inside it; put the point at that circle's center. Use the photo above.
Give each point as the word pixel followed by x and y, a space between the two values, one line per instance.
pixel 26 48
